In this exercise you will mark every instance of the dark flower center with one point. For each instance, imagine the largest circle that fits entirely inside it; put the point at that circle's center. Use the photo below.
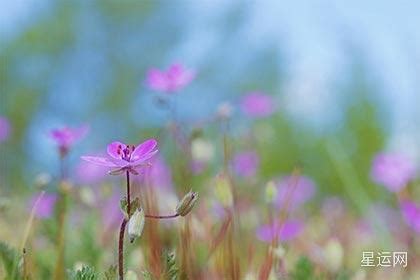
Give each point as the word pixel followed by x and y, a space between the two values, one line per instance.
pixel 125 153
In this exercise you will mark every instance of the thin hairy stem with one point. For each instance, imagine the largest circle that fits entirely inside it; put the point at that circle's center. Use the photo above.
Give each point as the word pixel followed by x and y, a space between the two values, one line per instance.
pixel 161 216
pixel 121 250
pixel 122 230
pixel 127 174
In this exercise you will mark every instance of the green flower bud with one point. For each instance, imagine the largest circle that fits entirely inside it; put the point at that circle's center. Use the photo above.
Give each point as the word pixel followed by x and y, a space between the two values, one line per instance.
pixel 136 224
pixel 187 203
pixel 270 191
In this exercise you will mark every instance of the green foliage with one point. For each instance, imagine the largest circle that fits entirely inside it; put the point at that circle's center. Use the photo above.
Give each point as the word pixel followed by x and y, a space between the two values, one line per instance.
pixel 111 273
pixel 171 270
pixel 303 270
pixel 147 275
pixel 91 252
pixel 86 273
pixel 9 257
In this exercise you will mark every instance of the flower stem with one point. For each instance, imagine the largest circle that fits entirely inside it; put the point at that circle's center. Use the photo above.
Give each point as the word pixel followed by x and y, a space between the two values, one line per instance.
pixel 161 216
pixel 121 250
pixel 127 174
pixel 122 230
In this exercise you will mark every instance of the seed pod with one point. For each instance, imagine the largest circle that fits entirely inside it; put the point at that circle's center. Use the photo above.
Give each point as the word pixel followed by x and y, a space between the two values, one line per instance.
pixel 187 203
pixel 136 224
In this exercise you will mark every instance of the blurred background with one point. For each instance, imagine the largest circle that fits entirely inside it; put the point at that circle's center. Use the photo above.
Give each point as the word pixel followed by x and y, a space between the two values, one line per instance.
pixel 343 79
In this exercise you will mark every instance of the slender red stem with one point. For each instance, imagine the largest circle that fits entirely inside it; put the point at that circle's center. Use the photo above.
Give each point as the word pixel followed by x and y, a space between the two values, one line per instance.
pixel 121 250
pixel 128 194
pixel 122 230
pixel 161 216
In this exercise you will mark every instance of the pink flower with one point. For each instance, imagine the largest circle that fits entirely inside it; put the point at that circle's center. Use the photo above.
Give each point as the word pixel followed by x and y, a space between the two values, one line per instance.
pixel 65 137
pixel 246 163
pixel 294 191
pixel 411 214
pixel 90 173
pixel 173 79
pixel 45 207
pixel 393 171
pixel 111 212
pixel 158 176
pixel 125 157
pixel 4 129
pixel 274 231
pixel 257 104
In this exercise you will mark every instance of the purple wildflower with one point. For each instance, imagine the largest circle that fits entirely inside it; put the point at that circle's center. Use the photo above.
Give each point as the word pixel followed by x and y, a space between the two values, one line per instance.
pixel 173 79
pixel 257 104
pixel 159 174
pixel 411 214
pixel 393 171
pixel 125 157
pixel 111 212
pixel 45 207
pixel 90 173
pixel 274 231
pixel 4 129
pixel 246 163
pixel 65 137
pixel 294 191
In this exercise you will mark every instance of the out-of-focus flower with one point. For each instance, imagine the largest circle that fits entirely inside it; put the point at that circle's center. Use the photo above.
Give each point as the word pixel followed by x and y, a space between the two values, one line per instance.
pixel 274 231
pixel 411 214
pixel 45 207
pixel 111 212
pixel 4 129
pixel 392 170
pixel 257 104
pixel 223 191
pixel 42 180
pixel 90 173
pixel 246 163
pixel 270 191
pixel 333 208
pixel 224 110
pixel 294 190
pixel 187 203
pixel 136 224
pixel 170 80
pixel 159 174
pixel 65 137
pixel 202 150
pixel 125 157
pixel 333 255
pixel 131 275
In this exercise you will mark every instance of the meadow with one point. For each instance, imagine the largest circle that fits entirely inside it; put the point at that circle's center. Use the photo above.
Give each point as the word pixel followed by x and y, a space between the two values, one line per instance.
pixel 118 161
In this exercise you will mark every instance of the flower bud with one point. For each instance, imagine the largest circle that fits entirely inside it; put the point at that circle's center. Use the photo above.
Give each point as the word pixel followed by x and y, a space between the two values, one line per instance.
pixel 270 191
pixel 136 224
pixel 187 203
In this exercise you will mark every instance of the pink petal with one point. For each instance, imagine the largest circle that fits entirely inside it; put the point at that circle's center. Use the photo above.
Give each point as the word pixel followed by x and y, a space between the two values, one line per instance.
pixel 141 160
pixel 115 149
pixel 99 161
pixel 143 149
pixel 157 80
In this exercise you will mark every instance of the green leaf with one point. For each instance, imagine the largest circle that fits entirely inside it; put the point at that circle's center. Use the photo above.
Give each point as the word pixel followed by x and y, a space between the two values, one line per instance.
pixel 86 273
pixel 111 273
pixel 147 275
pixel 10 258
pixel 171 271
pixel 303 270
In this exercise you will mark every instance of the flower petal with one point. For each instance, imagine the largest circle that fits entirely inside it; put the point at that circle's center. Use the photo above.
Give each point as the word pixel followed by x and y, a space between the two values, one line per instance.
pixel 141 160
pixel 115 149
pixel 143 149
pixel 99 161
pixel 157 80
